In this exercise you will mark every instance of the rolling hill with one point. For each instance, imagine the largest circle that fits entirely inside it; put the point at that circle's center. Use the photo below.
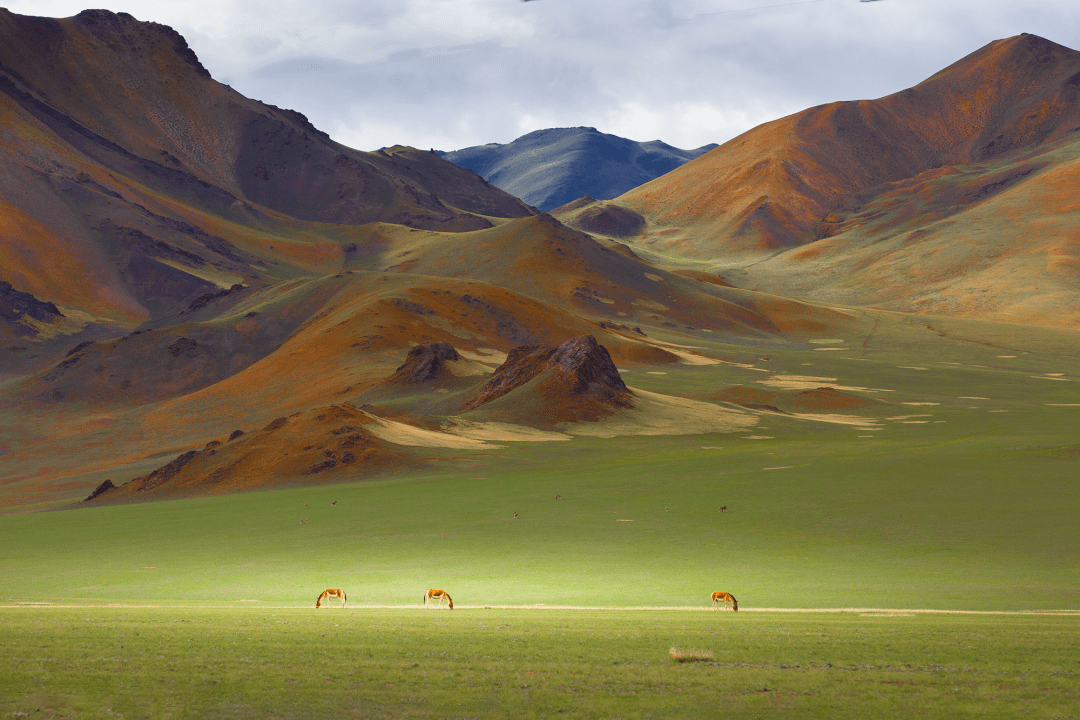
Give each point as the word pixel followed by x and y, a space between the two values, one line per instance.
pixel 549 168
pixel 133 184
pixel 201 293
pixel 954 196
pixel 182 262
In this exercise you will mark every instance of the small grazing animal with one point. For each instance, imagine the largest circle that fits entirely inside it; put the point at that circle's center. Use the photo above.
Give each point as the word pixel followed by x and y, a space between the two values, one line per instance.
pixel 331 593
pixel 516 516
pixel 558 497
pixel 723 509
pixel 728 598
pixel 438 595
pixel 334 503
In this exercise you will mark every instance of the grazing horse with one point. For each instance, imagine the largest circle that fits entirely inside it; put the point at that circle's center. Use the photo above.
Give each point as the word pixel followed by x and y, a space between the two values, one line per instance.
pixel 723 509
pixel 728 599
pixel 332 593
pixel 438 595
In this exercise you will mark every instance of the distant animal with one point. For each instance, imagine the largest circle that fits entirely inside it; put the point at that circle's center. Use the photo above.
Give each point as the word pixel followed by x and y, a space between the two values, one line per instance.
pixel 723 509
pixel 334 503
pixel 331 594
pixel 728 598
pixel 516 516
pixel 305 504
pixel 438 595
pixel 558 497
pixel 303 521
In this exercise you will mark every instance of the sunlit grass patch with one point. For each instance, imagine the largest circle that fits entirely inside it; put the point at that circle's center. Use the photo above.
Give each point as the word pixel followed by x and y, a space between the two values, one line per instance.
pixel 296 663
pixel 684 655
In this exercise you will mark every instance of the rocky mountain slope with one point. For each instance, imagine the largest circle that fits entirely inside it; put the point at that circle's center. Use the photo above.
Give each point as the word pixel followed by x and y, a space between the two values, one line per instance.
pixel 132 183
pixel 548 168
pixel 179 262
pixel 922 200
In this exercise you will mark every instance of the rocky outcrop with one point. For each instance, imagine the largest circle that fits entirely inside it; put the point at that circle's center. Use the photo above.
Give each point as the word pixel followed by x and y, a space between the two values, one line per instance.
pixel 578 370
pixel 330 442
pixel 592 367
pixel 164 474
pixel 425 363
pixel 100 490
pixel 14 304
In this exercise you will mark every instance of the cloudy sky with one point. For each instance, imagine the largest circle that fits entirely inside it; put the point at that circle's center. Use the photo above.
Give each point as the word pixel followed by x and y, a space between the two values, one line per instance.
pixel 453 73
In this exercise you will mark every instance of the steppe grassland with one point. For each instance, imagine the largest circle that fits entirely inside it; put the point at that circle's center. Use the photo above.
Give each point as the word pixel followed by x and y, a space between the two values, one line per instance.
pixel 953 505
pixel 245 662
pixel 966 504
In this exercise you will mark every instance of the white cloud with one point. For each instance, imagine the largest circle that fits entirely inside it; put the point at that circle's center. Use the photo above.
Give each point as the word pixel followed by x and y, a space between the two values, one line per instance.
pixel 453 73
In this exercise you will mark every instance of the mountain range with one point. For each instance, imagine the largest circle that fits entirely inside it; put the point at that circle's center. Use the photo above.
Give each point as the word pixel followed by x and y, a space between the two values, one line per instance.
pixel 202 293
pixel 549 168
pixel 956 196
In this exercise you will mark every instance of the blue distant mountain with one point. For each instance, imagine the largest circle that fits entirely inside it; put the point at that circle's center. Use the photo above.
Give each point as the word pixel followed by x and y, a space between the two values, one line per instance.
pixel 549 168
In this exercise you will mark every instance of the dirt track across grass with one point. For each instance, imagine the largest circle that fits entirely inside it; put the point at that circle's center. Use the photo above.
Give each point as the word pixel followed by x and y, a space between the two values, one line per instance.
pixel 868 612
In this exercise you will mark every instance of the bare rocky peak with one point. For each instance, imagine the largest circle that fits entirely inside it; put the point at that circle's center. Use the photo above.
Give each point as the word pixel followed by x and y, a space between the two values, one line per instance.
pixel 589 362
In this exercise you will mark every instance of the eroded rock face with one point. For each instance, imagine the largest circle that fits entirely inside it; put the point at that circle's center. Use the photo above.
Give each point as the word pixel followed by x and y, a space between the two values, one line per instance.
pixel 101 489
pixel 579 367
pixel 14 304
pixel 287 451
pixel 425 363
pixel 524 363
pixel 164 474
pixel 589 362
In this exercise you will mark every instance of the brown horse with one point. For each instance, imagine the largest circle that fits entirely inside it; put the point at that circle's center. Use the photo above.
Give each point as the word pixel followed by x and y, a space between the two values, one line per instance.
pixel 438 595
pixel 728 598
pixel 332 593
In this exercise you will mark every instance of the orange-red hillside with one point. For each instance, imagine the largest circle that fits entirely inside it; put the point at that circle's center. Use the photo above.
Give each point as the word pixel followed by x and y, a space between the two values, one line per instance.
pixel 542 258
pixel 311 447
pixel 132 183
pixel 771 186
pixel 131 95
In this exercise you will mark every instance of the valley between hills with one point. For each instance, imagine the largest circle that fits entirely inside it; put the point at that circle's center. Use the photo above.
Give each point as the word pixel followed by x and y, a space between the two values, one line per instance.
pixel 864 306
pixel 829 367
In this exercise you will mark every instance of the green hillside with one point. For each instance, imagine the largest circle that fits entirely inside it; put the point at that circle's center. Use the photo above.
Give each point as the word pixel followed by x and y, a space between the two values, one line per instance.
pixel 954 488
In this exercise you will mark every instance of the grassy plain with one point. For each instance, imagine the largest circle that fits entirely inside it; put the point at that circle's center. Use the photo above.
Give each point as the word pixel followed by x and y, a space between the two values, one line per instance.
pixel 365 663
pixel 956 490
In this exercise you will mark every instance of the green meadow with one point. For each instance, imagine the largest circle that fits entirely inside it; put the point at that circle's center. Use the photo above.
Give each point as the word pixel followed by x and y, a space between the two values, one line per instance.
pixel 955 491
pixel 244 662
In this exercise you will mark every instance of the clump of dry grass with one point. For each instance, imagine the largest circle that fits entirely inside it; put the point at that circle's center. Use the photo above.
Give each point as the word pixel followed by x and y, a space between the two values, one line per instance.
pixel 690 655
